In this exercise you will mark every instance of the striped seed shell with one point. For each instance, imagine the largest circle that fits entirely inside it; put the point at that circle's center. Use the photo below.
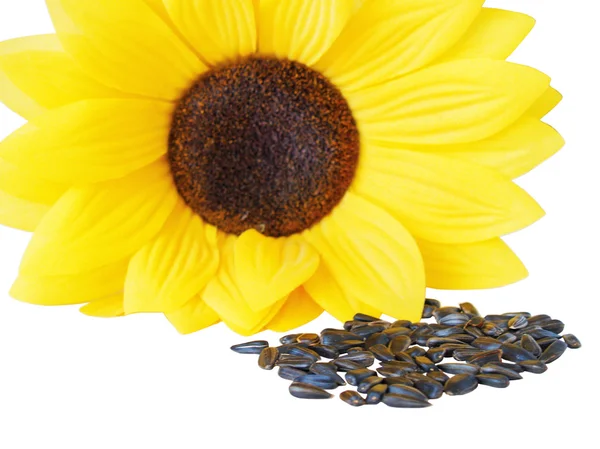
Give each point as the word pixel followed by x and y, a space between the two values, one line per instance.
pixel 346 365
pixel 459 368
pixel 461 384
pixel 515 354
pixel 469 308
pixel 327 369
pixel 572 341
pixel 493 380
pixel 355 377
pixel 533 366
pixel 486 343
pixel 556 326
pixel 554 351
pixel 518 322
pixel 429 387
pixel 485 357
pixel 287 339
pixel 250 347
pixel 308 391
pixel 376 339
pixel 369 383
pixel 376 393
pixel 425 363
pixel 406 390
pixel 365 318
pixel 438 376
pixel 382 353
pixel 529 344
pixel 436 355
pixel 301 351
pixel 363 358
pixel 268 358
pixel 433 302
pixel 492 368
pixel 329 352
pixel 308 338
pixel 352 398
pixel 318 380
pixel 401 380
pixel 400 401
pixel 399 344
pixel 288 373
pixel 295 362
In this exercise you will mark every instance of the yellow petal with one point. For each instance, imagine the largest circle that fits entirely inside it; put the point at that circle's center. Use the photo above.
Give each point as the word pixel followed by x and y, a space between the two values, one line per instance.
pixel 443 199
pixel 110 307
pixel 326 292
pixel 193 316
pixel 224 295
pixel 301 30
pixel 218 30
pixel 486 264
pixel 21 214
pixel 90 227
pixel 166 273
pixel 548 101
pixel 27 93
pixel 495 34
pixel 23 184
pixel 371 256
pixel 298 309
pixel 455 102
pixel 512 152
pixel 268 269
pixel 70 289
pixel 91 141
pixel 389 38
pixel 126 46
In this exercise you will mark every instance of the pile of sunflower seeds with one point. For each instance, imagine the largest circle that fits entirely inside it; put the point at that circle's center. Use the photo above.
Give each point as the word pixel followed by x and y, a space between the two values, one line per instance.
pixel 491 350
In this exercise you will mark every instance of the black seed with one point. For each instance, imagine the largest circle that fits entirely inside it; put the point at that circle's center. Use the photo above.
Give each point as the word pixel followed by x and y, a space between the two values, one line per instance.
pixel 399 344
pixel 414 351
pixel 556 326
pixel 429 387
pixel 327 369
pixel 394 332
pixel 543 333
pixel 437 341
pixel 529 344
pixel 251 347
pixel 554 351
pixel 355 349
pixel 346 365
pixel 318 380
pixel 369 383
pixel 518 322
pixel 352 397
pixel 363 358
pixel 545 342
pixel 486 343
pixel 364 317
pixel 436 355
pixel 507 337
pixel 433 302
pixel 540 320
pixel 355 377
pixel 463 355
pixel 497 318
pixel 492 329
pixel 511 366
pixel 268 357
pixel 425 363
pixel 447 331
pixel 402 323
pixel 533 366
pixel 515 354
pixel 459 368
pixel 366 329
pixel 309 339
pixel 285 372
pixel 406 390
pixel 400 401
pixel 335 336
pixel 572 341
pixel 405 357
pixel 465 338
pixel 308 391
pixel 460 384
pixel 386 324
pixel 382 353
pixel 398 380
pixel 449 348
pixel 343 346
pixel 441 312
pixel 348 325
pixel 438 376
pixel 454 319
pixel 392 371
pixel 427 311
pixel 376 393
pixel 483 358
pixel 285 349
pixel 288 339
pixel 476 321
pixel 474 331
pixel 492 368
pixel 469 308
pixel 295 362
pixel 329 352
pixel 424 330
pixel 407 366
pixel 376 339
pixel 493 380
pixel 300 351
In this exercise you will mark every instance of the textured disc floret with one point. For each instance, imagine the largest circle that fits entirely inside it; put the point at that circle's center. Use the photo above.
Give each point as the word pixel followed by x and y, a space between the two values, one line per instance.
pixel 263 144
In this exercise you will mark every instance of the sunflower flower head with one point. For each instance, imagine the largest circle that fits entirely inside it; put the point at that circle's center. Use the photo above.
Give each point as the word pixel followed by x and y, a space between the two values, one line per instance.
pixel 259 161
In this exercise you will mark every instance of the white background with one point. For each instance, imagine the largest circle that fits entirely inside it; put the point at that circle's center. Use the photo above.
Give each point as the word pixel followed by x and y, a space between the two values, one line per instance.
pixel 70 381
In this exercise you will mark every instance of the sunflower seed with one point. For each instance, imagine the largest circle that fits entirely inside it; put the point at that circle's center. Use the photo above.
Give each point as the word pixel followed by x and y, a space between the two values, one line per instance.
pixel 438 341
pixel 492 329
pixel 461 384
pixel 400 401
pixel 300 351
pixel 363 358
pixel 399 344
pixel 476 321
pixel 556 326
pixel 405 357
pixel 427 311
pixel 511 314
pixel 529 344
pixel 376 339
pixel 329 352
pixel 376 393
pixel 401 323
pixel 352 397
pixel 394 332
pixel 288 339
pixel 429 387
pixel 367 330
pixel 438 376
pixel 507 337
pixel 554 351
pixel 540 320
pixel 268 357
pixel 354 349
pixel 346 365
pixel 515 354
pixel 545 342
pixel 533 366
pixel 330 336
pixel 486 343
pixel 394 371
pixel 469 308
pixel 288 373
pixel 318 380
pixel 511 366
pixel 436 355
pixel 433 302
pixel 399 380
pixel 492 368
pixel 364 317
pixel 408 391
pixel 447 331
pixel 449 348
pixel 518 322
pixel 474 331
pixel 309 339
pixel 425 363
pixel 355 377
pixel 459 368
pixel 369 383
pixel 308 391
pixel 251 347
pixel 464 338
pixel 543 333
pixel 483 358
pixel 343 346
pixel 327 369
pixel 463 355
pixel 382 353
pixel 295 362
pixel 493 380
pixel 384 323
pixel 572 341
pixel 454 319
pixel 497 318
pixel 348 325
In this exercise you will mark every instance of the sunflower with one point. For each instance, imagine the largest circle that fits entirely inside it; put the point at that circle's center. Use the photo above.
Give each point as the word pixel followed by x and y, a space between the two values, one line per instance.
pixel 258 162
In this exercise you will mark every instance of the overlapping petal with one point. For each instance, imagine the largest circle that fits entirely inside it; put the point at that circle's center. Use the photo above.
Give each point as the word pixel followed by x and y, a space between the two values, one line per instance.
pixel 166 273
pixel 548 101
pixel 388 38
pixel 126 45
pixel 193 316
pixel 301 30
pixel 443 199
pixel 90 227
pixel 92 140
pixel 219 30
pixel 455 102
pixel 486 264
pixel 27 93
pixel 21 214
pixel 327 293
pixel 110 307
pixel 298 309
pixel 269 269
pixel 21 183
pixel 371 256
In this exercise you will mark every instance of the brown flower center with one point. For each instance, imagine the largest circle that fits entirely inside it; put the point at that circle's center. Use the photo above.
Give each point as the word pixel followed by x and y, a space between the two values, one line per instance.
pixel 263 143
